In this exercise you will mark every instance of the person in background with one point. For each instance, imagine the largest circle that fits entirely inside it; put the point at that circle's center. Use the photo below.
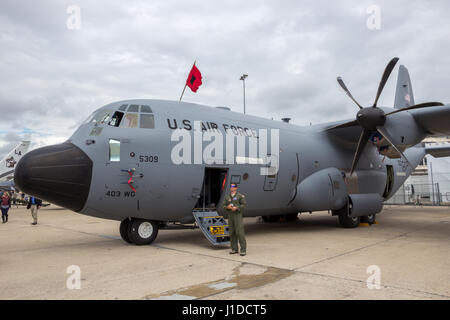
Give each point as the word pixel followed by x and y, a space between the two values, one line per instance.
pixel 5 204
pixel 14 198
pixel 34 204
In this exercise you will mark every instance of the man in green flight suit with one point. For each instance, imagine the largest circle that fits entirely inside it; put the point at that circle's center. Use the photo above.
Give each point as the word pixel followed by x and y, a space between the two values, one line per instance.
pixel 234 204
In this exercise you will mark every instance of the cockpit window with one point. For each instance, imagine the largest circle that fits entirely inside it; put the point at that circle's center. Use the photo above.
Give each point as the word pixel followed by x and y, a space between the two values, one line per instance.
pixel 116 118
pixel 133 108
pixel 136 116
pixel 99 116
pixel 90 118
pixel 147 121
pixel 146 109
pixel 130 120
pixel 105 118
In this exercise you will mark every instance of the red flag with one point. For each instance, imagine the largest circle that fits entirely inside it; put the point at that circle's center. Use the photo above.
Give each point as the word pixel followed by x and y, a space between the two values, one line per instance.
pixel 194 80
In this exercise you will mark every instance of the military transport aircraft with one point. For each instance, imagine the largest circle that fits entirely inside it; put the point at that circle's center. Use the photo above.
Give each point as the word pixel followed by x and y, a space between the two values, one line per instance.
pixel 8 163
pixel 119 164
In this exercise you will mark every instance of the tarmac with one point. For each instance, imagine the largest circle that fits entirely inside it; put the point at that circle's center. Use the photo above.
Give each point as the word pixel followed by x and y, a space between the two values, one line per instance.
pixel 406 255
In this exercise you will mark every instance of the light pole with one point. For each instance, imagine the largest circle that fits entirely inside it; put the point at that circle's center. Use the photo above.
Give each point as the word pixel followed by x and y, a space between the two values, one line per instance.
pixel 432 180
pixel 243 83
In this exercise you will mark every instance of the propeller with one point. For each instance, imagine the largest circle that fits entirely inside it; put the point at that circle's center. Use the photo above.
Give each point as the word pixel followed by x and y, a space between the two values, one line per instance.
pixel 372 119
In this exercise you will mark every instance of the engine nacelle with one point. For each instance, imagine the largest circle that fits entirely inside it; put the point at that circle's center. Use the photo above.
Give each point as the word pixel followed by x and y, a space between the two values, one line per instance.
pixel 323 190
pixel 404 132
pixel 365 204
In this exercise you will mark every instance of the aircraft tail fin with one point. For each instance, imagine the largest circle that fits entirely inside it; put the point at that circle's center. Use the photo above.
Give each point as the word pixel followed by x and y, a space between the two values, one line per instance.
pixel 403 95
pixel 8 163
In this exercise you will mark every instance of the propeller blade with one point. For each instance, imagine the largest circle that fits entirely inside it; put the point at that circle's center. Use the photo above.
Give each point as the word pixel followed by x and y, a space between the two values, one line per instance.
pixel 386 135
pixel 344 125
pixel 342 84
pixel 384 78
pixel 417 106
pixel 363 138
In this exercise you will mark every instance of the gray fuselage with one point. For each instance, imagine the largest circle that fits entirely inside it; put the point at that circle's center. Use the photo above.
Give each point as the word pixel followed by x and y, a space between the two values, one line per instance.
pixel 165 191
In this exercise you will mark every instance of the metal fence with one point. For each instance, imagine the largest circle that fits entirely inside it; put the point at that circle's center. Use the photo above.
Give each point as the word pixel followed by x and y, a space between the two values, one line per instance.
pixel 420 194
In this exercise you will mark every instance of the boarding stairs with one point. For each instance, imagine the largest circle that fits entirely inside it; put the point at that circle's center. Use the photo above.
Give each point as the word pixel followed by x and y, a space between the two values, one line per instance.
pixel 213 226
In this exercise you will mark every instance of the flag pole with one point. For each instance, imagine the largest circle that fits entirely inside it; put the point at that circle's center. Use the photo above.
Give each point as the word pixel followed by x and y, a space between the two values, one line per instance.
pixel 182 93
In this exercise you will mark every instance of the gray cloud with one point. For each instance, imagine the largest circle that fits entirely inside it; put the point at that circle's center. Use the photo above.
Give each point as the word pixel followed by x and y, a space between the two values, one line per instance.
pixel 53 78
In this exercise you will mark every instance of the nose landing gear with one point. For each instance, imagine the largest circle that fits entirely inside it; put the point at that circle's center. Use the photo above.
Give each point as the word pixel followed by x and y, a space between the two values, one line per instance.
pixel 138 231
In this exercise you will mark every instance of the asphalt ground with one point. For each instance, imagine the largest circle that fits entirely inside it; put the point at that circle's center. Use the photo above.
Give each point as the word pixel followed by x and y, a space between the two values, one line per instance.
pixel 405 256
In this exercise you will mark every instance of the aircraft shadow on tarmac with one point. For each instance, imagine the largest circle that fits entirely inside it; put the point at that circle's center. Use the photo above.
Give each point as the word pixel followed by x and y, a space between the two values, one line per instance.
pixel 311 225
pixel 397 225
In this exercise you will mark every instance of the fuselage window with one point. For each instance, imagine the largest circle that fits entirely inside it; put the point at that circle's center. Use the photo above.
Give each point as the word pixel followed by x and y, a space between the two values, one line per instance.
pixel 133 108
pixel 147 121
pixel 116 119
pixel 123 107
pixel 114 150
pixel 146 109
pixel 130 120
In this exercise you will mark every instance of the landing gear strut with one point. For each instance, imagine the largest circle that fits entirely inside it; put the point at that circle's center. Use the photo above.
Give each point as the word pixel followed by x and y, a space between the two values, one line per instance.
pixel 138 231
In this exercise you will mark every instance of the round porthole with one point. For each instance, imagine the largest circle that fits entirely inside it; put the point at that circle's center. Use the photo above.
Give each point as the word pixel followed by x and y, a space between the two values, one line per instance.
pixel 132 154
pixel 245 176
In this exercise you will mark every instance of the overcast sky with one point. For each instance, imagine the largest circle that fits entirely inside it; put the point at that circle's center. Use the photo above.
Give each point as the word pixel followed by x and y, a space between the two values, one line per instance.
pixel 54 75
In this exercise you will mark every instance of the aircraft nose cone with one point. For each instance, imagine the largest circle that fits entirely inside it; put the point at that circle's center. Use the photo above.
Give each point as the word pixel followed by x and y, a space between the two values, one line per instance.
pixel 60 174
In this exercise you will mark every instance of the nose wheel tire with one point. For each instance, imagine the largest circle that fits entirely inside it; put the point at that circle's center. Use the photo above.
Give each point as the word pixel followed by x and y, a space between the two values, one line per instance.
pixel 124 226
pixel 142 232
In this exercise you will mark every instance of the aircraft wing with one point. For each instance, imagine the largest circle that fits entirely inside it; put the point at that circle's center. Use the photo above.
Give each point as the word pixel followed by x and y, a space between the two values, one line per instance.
pixel 434 120
pixel 438 151
pixel 348 134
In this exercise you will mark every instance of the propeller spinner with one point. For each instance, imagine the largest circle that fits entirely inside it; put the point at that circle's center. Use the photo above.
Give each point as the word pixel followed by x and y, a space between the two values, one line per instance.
pixel 372 119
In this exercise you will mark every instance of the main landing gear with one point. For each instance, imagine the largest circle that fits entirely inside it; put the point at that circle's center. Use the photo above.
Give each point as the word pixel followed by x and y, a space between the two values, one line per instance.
pixel 138 231
pixel 347 221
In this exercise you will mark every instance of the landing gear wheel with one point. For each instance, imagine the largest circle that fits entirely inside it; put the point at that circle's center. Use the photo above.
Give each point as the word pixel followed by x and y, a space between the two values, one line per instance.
pixel 142 232
pixel 348 222
pixel 344 218
pixel 370 219
pixel 124 226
